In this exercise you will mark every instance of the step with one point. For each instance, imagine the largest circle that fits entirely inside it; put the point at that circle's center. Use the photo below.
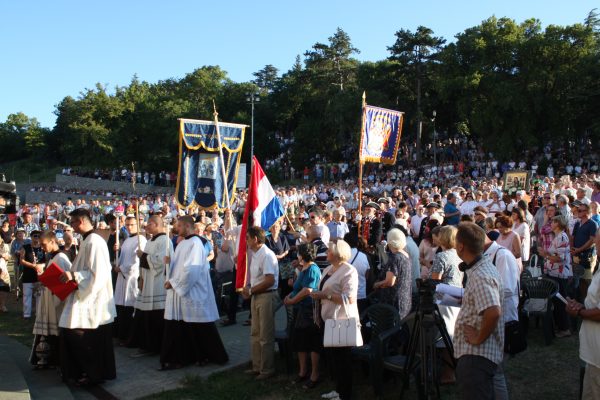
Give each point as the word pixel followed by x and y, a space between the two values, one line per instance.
pixel 12 382
pixel 38 384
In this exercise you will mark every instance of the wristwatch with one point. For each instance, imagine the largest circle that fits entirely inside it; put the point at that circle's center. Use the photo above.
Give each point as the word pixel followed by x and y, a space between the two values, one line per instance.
pixel 329 297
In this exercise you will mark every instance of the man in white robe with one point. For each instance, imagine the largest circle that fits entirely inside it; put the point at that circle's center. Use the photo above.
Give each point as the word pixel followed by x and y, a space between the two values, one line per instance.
pixel 86 349
pixel 148 321
pixel 128 272
pixel 190 308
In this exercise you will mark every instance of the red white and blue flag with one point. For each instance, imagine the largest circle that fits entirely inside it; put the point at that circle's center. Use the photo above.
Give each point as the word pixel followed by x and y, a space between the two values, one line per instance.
pixel 263 208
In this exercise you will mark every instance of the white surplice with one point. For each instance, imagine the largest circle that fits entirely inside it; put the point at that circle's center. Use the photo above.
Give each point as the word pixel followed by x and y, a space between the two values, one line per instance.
pixel 152 296
pixel 192 298
pixel 92 304
pixel 49 307
pixel 126 289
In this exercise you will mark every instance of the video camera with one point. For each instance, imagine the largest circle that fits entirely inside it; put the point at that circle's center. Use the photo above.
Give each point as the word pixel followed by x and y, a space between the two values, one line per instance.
pixel 426 288
pixel 8 197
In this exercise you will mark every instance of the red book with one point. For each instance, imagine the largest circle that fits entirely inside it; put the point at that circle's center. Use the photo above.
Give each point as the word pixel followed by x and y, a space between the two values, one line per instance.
pixel 51 279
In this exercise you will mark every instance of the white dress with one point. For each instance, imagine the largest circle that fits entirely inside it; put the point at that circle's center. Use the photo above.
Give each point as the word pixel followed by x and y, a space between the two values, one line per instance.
pixel 126 288
pixel 152 296
pixel 92 304
pixel 192 298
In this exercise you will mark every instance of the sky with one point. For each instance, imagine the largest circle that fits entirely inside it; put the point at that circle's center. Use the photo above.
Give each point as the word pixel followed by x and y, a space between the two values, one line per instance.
pixel 53 49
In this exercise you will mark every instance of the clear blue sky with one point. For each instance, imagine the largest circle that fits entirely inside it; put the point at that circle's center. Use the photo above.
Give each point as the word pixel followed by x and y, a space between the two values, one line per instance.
pixel 52 49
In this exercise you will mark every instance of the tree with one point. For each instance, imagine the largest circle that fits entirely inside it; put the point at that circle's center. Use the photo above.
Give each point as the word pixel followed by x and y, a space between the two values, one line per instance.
pixel 266 78
pixel 414 53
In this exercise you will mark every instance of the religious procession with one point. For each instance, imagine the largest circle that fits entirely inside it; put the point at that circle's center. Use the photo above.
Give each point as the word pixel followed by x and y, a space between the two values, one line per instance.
pixel 346 242
pixel 437 283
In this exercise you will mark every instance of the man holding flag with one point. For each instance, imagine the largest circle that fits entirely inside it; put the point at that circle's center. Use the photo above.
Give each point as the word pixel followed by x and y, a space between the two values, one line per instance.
pixel 263 208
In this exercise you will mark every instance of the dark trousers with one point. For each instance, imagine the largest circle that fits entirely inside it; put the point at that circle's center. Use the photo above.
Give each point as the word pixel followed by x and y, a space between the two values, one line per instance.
pixel 340 359
pixel 475 377
pixel 561 318
pixel 233 299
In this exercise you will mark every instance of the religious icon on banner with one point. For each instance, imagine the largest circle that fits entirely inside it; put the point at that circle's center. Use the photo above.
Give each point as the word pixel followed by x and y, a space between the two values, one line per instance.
pixel 380 135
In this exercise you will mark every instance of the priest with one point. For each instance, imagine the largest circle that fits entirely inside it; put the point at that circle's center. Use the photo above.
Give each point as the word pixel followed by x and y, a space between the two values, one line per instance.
pixel 86 349
pixel 190 333
pixel 128 272
pixel 148 320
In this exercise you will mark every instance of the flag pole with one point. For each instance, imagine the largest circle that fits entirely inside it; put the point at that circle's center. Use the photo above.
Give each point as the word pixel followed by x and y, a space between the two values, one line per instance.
pixel 225 183
pixel 360 162
pixel 137 207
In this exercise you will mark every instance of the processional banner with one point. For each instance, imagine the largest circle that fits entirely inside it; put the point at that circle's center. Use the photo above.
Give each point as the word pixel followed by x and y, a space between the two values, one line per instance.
pixel 380 135
pixel 200 179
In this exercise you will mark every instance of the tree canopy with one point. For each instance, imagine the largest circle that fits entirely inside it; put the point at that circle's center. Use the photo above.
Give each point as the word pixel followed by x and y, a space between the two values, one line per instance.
pixel 509 84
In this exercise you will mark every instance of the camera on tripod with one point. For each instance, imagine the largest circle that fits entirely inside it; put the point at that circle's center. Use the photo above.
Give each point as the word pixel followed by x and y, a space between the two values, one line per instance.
pixel 426 288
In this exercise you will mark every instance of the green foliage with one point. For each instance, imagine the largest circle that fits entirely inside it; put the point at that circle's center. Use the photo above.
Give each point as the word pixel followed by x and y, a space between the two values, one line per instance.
pixel 510 84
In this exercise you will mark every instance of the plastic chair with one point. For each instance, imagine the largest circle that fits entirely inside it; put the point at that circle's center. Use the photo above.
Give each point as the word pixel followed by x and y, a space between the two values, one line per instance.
pixel 380 318
pixel 283 336
pixel 541 291
pixel 389 357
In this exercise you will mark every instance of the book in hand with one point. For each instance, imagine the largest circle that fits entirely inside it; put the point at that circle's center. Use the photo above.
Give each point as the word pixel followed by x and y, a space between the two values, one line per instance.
pixel 51 279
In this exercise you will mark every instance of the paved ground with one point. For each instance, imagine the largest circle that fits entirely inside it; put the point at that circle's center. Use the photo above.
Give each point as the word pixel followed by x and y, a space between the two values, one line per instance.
pixel 136 377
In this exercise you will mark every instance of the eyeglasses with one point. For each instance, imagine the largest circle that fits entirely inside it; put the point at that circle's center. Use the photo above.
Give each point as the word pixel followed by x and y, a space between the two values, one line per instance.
pixel 313 216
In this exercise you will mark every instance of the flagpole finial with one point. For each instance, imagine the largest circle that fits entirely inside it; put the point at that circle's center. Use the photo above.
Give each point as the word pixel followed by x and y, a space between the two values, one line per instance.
pixel 215 107
pixel 364 98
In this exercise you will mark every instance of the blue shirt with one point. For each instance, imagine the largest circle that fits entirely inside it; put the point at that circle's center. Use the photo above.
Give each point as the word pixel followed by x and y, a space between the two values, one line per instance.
pixel 450 208
pixel 308 278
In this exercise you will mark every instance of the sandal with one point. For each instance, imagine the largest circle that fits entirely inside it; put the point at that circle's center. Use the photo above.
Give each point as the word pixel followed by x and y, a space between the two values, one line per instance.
pixel 311 384
pixel 300 379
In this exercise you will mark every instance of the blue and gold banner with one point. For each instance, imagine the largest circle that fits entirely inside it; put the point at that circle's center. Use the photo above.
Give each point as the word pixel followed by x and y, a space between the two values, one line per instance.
pixel 380 135
pixel 200 179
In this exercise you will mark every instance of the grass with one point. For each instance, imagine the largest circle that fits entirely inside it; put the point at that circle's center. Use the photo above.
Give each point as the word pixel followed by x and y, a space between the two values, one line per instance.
pixel 541 372
pixel 29 170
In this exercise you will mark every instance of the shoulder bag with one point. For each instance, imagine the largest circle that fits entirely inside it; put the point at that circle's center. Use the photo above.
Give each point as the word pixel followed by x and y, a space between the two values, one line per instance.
pixel 342 332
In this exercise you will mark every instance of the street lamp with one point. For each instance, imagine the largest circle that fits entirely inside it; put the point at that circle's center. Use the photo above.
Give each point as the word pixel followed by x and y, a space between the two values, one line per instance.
pixel 434 140
pixel 252 98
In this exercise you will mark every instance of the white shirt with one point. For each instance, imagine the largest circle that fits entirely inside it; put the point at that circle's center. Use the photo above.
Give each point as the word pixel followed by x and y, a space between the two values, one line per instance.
pixel 415 224
pixel 361 263
pixel 264 262
pixel 508 269
pixel 589 334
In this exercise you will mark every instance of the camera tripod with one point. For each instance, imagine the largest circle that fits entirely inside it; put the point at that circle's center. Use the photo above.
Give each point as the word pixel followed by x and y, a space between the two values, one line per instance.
pixel 427 329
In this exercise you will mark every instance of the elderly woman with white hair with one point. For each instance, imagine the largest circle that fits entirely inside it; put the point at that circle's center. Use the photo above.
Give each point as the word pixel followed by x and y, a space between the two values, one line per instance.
pixel 394 283
pixel 339 286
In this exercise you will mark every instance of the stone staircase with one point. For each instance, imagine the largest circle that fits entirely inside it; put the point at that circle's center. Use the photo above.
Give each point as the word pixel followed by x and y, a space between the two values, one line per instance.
pixel 82 184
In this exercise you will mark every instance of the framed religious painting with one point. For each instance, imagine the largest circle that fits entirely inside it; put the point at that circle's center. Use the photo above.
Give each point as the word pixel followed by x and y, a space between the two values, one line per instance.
pixel 516 180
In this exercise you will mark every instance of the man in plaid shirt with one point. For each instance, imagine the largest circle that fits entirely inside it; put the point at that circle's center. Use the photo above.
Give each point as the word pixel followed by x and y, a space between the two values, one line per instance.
pixel 479 332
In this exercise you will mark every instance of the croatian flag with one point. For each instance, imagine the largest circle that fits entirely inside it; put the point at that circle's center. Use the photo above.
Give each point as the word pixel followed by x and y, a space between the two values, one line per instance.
pixel 263 208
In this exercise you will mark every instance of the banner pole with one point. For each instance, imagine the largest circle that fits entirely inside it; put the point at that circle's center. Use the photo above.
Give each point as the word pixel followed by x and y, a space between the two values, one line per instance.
pixel 137 207
pixel 225 181
pixel 360 163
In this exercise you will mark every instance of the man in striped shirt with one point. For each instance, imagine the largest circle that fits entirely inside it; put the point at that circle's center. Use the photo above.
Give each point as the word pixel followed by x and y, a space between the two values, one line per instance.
pixel 479 332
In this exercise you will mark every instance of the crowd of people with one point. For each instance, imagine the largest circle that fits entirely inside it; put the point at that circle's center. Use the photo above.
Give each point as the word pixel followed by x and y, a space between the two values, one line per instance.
pixel 162 178
pixel 331 256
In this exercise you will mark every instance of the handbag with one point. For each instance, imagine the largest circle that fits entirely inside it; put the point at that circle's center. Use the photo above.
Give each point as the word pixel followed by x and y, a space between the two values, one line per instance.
pixel 342 332
pixel 515 340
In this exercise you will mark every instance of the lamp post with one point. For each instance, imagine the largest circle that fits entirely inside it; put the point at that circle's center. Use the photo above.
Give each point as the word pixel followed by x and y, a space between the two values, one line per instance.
pixel 252 98
pixel 434 140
